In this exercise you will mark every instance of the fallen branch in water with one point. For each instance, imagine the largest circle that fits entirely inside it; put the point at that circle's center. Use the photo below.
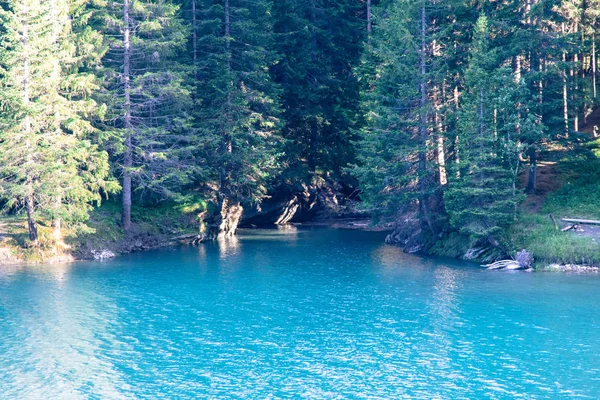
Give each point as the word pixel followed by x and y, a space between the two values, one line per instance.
pixel 523 260
pixel 504 264
pixel 191 238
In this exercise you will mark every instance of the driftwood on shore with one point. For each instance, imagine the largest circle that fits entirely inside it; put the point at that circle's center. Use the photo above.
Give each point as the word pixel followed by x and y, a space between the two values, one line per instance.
pixel 570 227
pixel 191 238
pixel 523 260
pixel 504 264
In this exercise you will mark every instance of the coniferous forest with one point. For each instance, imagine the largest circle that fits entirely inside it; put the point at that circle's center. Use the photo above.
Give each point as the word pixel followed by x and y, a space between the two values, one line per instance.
pixel 437 118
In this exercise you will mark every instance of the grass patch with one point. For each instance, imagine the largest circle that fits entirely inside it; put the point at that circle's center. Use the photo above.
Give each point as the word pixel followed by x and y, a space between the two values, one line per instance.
pixel 577 195
pixel 102 230
pixel 453 245
pixel 537 234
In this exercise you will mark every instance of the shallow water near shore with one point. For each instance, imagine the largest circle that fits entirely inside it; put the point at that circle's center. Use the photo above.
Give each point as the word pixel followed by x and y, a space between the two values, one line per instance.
pixel 312 313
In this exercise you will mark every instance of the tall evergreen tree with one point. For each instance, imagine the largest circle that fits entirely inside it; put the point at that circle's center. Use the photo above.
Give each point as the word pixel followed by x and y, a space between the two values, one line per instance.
pixel 482 199
pixel 49 163
pixel 147 99
pixel 320 44
pixel 237 109
pixel 395 166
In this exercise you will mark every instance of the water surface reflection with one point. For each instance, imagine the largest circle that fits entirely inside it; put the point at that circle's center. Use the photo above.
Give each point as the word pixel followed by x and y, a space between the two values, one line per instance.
pixel 295 313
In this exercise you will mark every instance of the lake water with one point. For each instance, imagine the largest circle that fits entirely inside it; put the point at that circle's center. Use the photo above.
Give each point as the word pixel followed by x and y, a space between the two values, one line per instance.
pixel 295 313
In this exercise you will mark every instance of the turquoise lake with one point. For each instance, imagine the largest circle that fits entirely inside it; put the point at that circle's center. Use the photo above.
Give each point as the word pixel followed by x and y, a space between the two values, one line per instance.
pixel 295 313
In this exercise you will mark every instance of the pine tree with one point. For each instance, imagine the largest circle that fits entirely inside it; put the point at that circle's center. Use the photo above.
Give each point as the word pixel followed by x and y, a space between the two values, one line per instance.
pixel 237 112
pixel 147 98
pixel 320 44
pixel 395 164
pixel 50 164
pixel 481 201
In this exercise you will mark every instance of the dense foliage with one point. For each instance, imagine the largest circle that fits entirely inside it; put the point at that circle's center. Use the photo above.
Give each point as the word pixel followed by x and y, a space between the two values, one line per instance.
pixel 429 108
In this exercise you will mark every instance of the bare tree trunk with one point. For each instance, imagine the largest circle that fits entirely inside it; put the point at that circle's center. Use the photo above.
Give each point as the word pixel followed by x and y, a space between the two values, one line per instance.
pixel 574 94
pixel 575 90
pixel 440 150
pixel 542 68
pixel 517 66
pixel 495 123
pixel 231 213
pixel 565 90
pixel 441 157
pixel 456 139
pixel 128 160
pixel 594 66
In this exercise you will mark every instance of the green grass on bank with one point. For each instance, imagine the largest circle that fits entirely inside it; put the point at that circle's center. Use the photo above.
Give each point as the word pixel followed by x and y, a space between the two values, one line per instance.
pixel 103 230
pixel 577 195
pixel 165 219
pixel 15 245
pixel 537 234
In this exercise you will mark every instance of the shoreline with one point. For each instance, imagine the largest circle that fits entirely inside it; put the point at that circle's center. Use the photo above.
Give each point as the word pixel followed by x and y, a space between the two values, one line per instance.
pixel 145 241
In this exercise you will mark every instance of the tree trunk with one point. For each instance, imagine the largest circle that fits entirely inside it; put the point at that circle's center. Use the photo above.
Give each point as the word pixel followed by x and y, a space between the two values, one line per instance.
pixel 128 160
pixel 29 197
pixel 369 20
pixel 314 127
pixel 56 222
pixel 228 33
pixel 288 212
pixel 574 94
pixel 423 123
pixel 532 181
pixel 195 42
pixel 230 215
pixel 575 90
pixel 441 159
pixel 565 90
pixel 594 62
pixel 56 72
pixel 423 102
pixel 227 21
pixel 439 125
pixel 456 138
pixel 33 233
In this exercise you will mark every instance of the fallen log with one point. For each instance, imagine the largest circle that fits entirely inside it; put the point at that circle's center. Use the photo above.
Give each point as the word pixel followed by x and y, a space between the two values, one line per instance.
pixel 184 237
pixel 568 228
pixel 581 221
pixel 504 264
pixel 191 238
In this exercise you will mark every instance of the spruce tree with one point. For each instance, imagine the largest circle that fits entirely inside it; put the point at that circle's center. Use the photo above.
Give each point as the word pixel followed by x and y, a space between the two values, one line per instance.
pixel 148 101
pixel 396 168
pixel 237 110
pixel 50 164
pixel 320 44
pixel 482 199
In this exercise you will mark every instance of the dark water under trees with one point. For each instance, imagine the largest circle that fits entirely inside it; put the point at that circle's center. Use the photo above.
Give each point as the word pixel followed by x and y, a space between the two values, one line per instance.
pixel 313 313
